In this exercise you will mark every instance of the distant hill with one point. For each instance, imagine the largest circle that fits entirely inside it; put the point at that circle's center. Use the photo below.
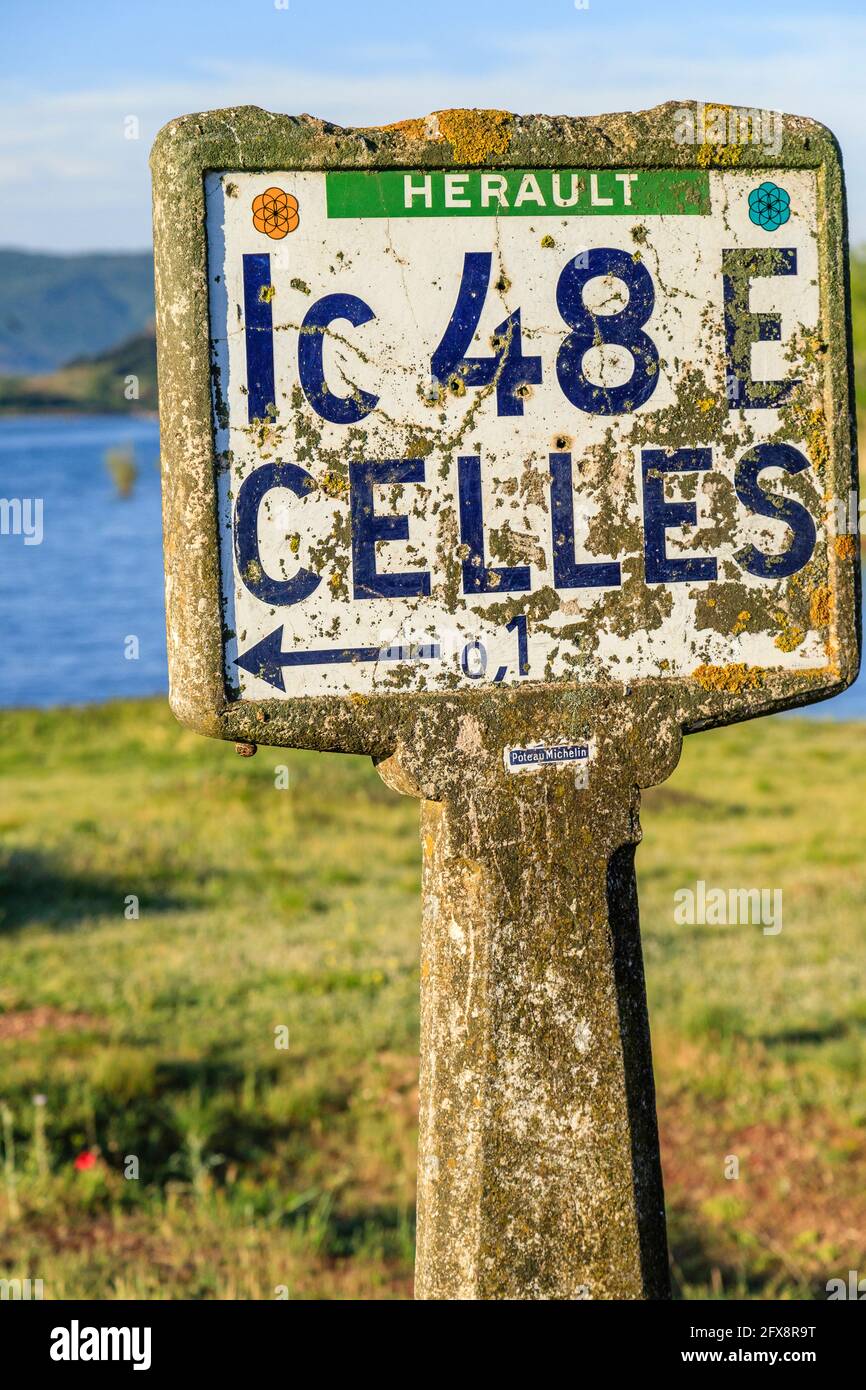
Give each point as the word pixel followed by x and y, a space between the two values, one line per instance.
pixel 55 308
pixel 95 383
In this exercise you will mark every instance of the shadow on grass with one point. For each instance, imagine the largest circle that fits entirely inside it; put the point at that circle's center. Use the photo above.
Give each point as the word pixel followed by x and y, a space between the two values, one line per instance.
pixel 211 1075
pixel 674 799
pixel 375 1231
pixel 35 890
pixel 701 1269
pixel 793 1037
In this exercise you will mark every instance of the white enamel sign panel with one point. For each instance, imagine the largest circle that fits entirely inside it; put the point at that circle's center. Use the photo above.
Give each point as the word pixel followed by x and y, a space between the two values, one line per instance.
pixel 508 426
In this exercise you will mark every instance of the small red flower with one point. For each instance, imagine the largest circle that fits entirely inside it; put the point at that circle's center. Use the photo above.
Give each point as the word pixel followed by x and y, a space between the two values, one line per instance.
pixel 86 1159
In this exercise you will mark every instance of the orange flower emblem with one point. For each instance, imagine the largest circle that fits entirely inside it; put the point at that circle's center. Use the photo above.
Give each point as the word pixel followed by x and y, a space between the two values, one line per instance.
pixel 275 213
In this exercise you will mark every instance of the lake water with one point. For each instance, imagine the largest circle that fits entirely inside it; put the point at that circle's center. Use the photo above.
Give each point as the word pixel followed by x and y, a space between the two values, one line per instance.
pixel 70 605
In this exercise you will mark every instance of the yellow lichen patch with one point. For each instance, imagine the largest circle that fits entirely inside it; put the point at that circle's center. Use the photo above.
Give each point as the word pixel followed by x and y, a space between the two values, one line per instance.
pixel 418 448
pixel 821 606
pixel 266 293
pixel 826 674
pixel 741 623
pixel 789 638
pixel 845 547
pixel 813 427
pixel 791 634
pixel 707 403
pixel 731 679
pixel 816 438
pixel 476 136
pixel 713 153
pixel 415 129
pixel 333 484
pixel 721 153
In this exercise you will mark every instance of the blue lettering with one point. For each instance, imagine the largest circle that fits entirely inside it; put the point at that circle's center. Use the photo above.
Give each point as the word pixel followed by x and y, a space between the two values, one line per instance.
pixel 368 528
pixel 743 328
pixel 478 576
pixel 624 328
pixel 750 493
pixel 567 572
pixel 339 410
pixel 259 338
pixel 253 490
pixel 508 367
pixel 659 515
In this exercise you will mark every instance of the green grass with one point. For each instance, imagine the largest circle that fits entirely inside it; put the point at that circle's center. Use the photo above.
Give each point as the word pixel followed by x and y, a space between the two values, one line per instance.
pixel 263 1167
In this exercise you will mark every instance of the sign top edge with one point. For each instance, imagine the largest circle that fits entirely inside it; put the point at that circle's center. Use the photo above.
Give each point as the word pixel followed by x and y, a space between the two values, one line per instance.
pixel 252 137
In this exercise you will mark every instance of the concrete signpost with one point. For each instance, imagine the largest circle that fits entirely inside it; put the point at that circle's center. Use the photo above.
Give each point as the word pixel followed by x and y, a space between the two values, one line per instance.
pixel 504 450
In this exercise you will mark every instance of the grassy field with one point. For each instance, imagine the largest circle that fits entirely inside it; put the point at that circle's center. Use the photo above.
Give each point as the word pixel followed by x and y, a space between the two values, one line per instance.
pixel 265 1168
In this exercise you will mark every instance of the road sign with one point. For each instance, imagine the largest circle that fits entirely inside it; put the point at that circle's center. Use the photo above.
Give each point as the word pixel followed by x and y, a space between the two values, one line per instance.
pixel 504 450
pixel 514 349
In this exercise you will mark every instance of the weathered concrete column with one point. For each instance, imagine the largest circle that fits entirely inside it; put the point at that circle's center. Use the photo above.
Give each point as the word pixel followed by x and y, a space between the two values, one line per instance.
pixel 538 1163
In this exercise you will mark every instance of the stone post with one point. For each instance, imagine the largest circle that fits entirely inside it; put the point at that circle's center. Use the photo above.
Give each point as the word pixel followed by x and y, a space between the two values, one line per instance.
pixel 538 1163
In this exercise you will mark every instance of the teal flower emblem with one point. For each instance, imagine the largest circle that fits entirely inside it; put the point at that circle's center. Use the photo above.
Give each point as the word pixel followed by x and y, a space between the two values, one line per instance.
pixel 769 206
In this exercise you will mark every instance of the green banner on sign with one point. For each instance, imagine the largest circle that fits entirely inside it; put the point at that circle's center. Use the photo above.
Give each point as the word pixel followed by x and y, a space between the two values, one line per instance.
pixel 518 193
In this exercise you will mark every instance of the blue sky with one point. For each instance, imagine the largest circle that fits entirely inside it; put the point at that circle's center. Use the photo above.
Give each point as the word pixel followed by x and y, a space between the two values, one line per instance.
pixel 75 71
